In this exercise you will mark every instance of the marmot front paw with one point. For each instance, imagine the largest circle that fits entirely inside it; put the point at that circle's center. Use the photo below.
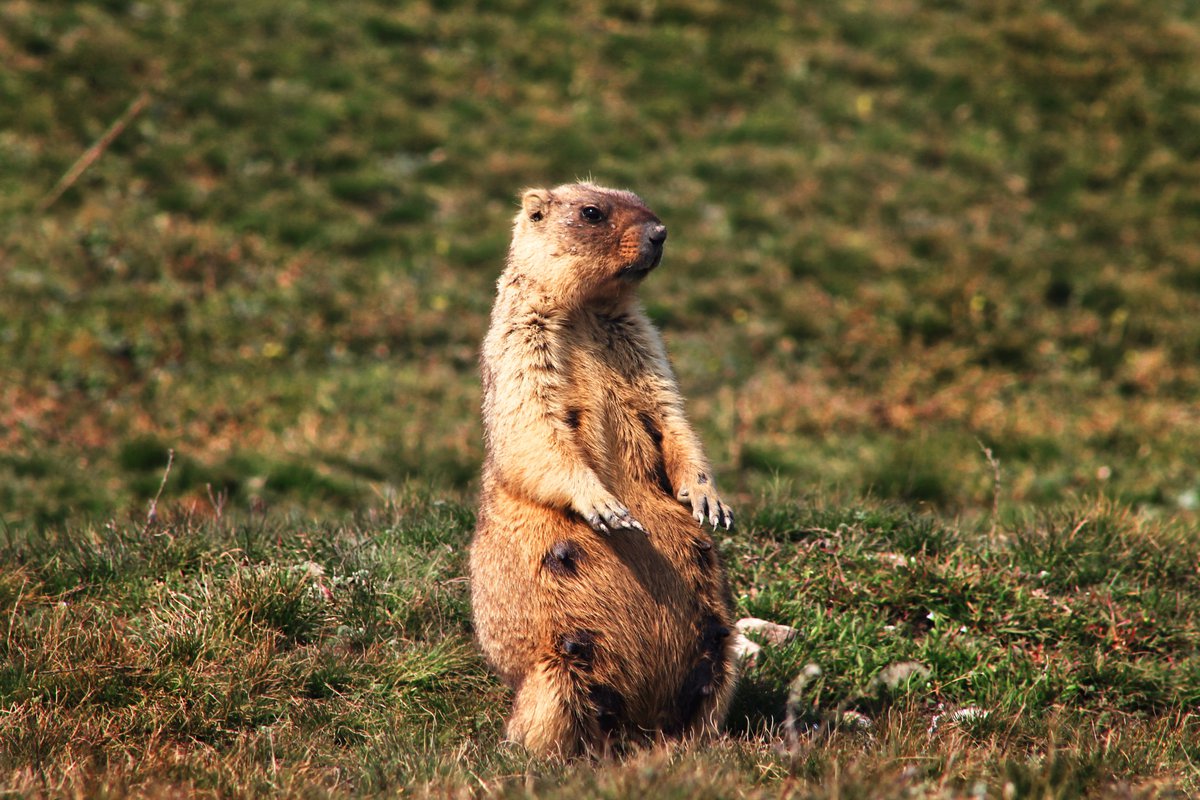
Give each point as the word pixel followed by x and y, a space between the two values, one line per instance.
pixel 706 504
pixel 607 515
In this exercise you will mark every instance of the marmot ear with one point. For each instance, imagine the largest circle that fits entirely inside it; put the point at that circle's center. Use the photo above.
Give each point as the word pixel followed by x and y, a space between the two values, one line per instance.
pixel 535 202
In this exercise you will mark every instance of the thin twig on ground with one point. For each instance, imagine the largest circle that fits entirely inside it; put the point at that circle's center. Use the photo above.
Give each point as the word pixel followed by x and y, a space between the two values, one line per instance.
pixel 93 153
pixel 995 464
pixel 152 516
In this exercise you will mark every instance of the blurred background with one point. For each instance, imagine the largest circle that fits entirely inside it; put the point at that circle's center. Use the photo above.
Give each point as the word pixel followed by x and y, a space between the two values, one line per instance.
pixel 901 232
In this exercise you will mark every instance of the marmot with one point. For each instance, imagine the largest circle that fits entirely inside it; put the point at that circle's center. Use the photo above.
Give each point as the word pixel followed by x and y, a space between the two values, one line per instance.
pixel 597 595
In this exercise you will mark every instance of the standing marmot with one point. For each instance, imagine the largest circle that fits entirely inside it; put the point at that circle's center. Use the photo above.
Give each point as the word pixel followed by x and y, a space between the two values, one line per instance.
pixel 597 594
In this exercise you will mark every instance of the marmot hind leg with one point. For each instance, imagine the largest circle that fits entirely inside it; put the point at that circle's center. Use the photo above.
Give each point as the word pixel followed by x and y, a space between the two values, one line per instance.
pixel 704 697
pixel 711 707
pixel 556 715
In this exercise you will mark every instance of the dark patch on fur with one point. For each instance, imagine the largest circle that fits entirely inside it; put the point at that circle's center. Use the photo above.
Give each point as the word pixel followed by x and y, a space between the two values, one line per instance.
pixel 616 328
pixel 579 647
pixel 541 355
pixel 614 323
pixel 701 479
pixel 537 340
pixel 704 554
pixel 651 427
pixel 703 679
pixel 658 474
pixel 715 632
pixel 609 707
pixel 563 559
pixel 573 418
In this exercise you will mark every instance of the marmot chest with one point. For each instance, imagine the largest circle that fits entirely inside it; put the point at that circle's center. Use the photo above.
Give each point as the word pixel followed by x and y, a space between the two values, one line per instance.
pixel 610 407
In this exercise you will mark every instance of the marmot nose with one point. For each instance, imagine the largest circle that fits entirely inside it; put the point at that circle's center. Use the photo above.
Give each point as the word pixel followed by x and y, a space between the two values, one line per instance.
pixel 658 233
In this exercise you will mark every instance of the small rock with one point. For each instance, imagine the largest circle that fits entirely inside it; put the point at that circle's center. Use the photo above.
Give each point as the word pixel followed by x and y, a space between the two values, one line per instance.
pixel 855 721
pixel 1189 499
pixel 311 569
pixel 904 673
pixel 771 632
pixel 966 714
pixel 746 651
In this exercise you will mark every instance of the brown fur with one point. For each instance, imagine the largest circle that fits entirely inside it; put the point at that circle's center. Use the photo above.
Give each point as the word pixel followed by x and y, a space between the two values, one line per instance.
pixel 597 593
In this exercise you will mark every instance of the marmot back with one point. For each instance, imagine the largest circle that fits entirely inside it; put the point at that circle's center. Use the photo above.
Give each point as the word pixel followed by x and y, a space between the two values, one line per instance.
pixel 597 593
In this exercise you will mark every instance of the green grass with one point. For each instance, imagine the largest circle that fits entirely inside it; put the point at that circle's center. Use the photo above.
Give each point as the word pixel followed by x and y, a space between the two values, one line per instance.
pixel 901 234
pixel 895 231
pixel 254 656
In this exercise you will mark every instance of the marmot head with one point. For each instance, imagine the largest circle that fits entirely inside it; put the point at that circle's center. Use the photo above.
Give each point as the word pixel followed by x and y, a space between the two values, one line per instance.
pixel 580 242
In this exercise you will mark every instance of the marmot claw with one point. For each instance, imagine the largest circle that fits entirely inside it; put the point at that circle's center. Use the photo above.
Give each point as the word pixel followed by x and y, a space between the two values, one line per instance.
pixel 706 506
pixel 611 518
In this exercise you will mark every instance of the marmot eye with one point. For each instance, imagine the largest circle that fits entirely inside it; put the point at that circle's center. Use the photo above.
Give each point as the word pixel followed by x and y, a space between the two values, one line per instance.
pixel 591 213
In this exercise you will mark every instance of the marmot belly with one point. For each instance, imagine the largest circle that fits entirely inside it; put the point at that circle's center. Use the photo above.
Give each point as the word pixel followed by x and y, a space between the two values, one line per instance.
pixel 638 622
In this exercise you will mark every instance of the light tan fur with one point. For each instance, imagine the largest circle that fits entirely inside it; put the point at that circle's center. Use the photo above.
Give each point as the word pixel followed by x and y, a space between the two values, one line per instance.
pixel 597 593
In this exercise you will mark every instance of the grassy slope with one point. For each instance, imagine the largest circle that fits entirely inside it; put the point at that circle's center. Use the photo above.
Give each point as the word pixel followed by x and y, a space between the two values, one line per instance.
pixel 899 230
pixel 896 229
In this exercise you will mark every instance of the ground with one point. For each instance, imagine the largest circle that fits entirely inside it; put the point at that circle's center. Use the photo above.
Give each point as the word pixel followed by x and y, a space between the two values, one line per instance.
pixel 932 292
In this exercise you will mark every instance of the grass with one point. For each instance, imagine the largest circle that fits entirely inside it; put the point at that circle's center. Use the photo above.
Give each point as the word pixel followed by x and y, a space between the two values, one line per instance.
pixel 903 235
pixel 895 231
pixel 255 656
